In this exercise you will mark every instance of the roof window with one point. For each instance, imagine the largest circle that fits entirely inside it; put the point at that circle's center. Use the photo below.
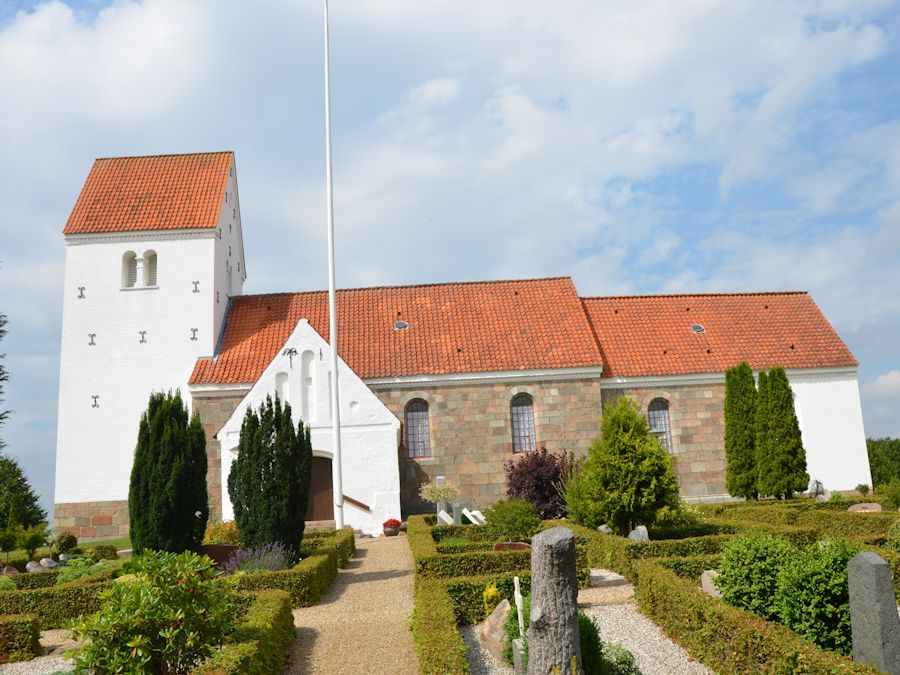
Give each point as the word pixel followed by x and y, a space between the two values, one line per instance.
pixel 401 325
pixel 697 328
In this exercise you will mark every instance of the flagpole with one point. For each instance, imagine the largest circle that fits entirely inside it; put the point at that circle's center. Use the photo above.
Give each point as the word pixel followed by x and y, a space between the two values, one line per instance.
pixel 336 478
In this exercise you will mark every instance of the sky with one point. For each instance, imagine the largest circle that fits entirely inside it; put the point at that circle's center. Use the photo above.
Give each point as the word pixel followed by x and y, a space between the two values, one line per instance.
pixel 640 147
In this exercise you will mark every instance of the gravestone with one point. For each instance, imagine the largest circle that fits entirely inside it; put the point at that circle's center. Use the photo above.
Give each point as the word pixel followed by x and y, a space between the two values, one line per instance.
pixel 492 633
pixel 10 571
pixel 708 583
pixel 604 529
pixel 444 518
pixel 865 507
pixel 457 513
pixel 874 622
pixel 518 650
pixel 553 644
pixel 639 534
pixel 47 563
pixel 33 566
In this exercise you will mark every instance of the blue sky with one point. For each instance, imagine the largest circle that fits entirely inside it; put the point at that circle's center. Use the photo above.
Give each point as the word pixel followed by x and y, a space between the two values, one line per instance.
pixel 641 147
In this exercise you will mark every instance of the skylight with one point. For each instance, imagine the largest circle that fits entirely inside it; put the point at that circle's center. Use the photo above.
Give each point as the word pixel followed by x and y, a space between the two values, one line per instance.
pixel 401 325
pixel 697 328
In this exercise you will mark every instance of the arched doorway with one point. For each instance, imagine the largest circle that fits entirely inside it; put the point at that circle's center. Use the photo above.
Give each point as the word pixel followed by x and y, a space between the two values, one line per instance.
pixel 321 492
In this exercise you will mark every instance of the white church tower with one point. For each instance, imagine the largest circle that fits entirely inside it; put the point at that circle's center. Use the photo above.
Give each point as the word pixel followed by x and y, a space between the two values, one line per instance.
pixel 154 252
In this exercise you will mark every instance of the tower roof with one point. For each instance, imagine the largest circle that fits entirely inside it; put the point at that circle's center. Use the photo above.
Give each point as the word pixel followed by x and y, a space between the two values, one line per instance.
pixel 157 192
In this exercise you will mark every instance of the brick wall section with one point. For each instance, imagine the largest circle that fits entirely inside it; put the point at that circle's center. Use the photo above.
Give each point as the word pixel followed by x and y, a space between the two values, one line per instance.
pixel 698 433
pixel 214 412
pixel 92 520
pixel 471 432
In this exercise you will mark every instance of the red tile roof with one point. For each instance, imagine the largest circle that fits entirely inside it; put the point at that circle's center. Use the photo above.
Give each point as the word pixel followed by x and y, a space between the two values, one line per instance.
pixel 651 335
pixel 453 328
pixel 160 192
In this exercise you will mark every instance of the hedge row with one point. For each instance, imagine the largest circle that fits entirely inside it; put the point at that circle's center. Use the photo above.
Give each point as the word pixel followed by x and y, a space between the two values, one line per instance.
pixel 343 541
pixel 307 581
pixel 439 645
pixel 690 568
pixel 461 546
pixel 725 638
pixel 259 644
pixel 19 637
pixel 826 522
pixel 54 605
pixel 470 532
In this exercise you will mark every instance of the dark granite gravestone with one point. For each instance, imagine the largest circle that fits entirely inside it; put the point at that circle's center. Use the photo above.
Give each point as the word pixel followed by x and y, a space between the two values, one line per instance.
pixel 873 613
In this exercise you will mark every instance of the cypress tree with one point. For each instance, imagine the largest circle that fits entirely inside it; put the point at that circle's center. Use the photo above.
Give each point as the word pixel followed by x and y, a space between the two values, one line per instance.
pixel 269 480
pixel 785 440
pixel 740 431
pixel 167 501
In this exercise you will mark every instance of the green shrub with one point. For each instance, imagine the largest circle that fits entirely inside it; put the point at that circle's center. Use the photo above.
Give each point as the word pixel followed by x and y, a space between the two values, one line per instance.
pixel 725 638
pixel 258 646
pixel 466 593
pixel 222 532
pixel 169 620
pixel 101 552
pixel 893 537
pixel 890 494
pixel 812 596
pixel 491 598
pixel 836 497
pixel 862 489
pixel 748 572
pixel 627 478
pixel 342 541
pixel 65 542
pixel 27 582
pixel 77 568
pixel 6 583
pixel 54 605
pixel 691 568
pixel 511 520
pixel 591 646
pixel 19 638
pixel 32 538
pixel 511 628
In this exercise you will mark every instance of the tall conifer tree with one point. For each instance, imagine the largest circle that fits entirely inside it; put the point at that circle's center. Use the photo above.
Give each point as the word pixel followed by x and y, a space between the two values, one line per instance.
pixel 167 501
pixel 269 480
pixel 785 441
pixel 740 431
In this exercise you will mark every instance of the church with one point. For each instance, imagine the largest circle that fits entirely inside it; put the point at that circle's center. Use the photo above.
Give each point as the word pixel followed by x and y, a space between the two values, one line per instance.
pixel 438 382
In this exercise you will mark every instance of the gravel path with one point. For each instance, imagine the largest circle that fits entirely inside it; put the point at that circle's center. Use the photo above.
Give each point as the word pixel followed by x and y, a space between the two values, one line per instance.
pixel 618 621
pixel 362 624
pixel 54 643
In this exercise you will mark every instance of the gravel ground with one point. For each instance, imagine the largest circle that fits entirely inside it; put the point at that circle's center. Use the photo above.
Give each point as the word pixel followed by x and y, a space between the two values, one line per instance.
pixel 362 624
pixel 618 621
pixel 54 643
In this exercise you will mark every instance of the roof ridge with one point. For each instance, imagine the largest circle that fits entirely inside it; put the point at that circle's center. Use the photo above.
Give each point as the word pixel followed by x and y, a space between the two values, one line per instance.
pixel 430 285
pixel 692 295
pixel 169 154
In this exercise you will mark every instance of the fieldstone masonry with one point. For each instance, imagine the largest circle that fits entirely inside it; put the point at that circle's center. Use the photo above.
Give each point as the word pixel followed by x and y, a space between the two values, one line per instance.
pixel 89 520
pixel 215 409
pixel 698 433
pixel 471 432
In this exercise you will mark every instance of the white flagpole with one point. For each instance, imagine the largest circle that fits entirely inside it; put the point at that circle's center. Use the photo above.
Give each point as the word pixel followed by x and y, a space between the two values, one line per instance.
pixel 336 479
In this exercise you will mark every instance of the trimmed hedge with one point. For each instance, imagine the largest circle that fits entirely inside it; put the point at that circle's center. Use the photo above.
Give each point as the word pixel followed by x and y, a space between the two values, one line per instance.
pixel 56 605
pixel 439 645
pixel 725 638
pixel 261 641
pixel 691 568
pixel 19 637
pixel 462 547
pixel 343 541
pixel 30 581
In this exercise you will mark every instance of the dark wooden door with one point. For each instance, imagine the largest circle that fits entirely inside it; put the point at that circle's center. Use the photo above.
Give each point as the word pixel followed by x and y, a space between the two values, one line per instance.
pixel 321 492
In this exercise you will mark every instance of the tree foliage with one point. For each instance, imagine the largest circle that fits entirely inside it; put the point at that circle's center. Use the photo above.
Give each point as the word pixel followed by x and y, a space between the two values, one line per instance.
pixel 269 480
pixel 782 466
pixel 17 495
pixel 627 477
pixel 167 501
pixel 884 460
pixel 536 477
pixel 740 436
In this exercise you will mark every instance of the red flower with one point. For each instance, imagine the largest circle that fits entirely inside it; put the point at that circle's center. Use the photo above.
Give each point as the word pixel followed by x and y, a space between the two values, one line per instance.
pixel 392 522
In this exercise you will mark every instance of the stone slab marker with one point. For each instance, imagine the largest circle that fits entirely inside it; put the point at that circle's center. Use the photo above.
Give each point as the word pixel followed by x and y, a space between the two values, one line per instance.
pixel 553 632
pixel 873 613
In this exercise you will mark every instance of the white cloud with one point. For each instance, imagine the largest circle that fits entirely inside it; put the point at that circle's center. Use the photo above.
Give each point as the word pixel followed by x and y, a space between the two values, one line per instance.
pixel 887 384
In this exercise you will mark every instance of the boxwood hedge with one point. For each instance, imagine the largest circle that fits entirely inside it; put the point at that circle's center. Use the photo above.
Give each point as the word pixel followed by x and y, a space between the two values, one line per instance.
pixel 19 637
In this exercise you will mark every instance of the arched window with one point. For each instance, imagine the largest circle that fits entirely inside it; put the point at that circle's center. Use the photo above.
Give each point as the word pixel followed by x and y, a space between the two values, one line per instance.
pixel 150 268
pixel 522 413
pixel 129 269
pixel 658 417
pixel 418 439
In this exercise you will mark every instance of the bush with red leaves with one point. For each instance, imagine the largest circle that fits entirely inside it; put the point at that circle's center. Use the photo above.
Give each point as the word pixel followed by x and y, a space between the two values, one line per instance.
pixel 533 477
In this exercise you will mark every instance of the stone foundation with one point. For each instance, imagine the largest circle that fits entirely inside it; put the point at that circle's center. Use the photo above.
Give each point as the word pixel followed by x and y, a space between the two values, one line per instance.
pixel 92 520
pixel 215 409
